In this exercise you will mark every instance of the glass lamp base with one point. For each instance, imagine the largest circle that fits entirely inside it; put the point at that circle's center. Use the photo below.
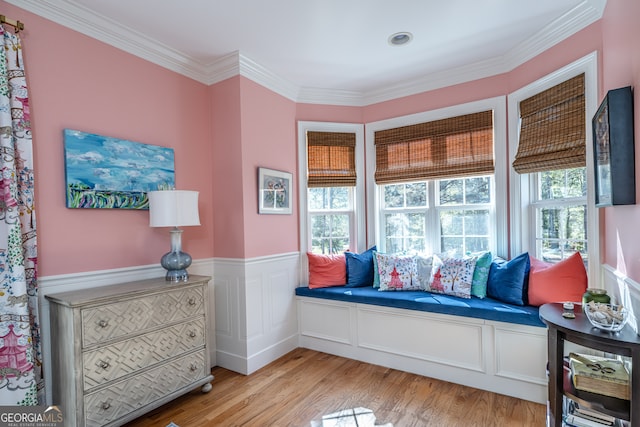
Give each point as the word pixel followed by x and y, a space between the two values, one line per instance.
pixel 176 264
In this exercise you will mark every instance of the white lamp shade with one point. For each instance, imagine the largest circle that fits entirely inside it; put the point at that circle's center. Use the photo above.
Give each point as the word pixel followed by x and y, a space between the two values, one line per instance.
pixel 173 208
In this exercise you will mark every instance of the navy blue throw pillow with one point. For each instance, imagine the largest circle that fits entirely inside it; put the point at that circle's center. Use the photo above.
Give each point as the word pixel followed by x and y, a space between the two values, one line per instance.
pixel 508 280
pixel 360 268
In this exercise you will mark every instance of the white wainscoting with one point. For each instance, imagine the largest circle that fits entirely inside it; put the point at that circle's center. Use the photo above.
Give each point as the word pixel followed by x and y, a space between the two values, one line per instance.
pixel 623 290
pixel 496 356
pixel 91 279
pixel 255 310
pixel 253 302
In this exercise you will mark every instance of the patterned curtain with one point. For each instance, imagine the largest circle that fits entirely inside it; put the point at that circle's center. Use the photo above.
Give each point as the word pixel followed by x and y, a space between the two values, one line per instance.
pixel 20 354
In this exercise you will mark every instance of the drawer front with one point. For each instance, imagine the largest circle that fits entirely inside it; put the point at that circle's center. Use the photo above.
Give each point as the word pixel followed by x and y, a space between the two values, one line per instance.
pixel 125 317
pixel 124 397
pixel 114 361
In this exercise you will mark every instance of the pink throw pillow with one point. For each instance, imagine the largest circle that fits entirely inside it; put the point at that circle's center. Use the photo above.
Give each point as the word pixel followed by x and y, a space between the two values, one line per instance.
pixel 560 282
pixel 327 270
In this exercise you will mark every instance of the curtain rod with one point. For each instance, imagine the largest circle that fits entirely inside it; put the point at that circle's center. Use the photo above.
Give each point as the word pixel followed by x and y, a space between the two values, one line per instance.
pixel 16 24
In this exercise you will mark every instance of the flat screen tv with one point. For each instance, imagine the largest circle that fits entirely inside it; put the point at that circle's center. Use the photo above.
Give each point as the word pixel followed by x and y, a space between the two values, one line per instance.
pixel 614 149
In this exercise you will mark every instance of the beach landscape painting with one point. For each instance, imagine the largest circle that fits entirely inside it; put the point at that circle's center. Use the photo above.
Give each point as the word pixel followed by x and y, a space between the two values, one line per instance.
pixel 102 172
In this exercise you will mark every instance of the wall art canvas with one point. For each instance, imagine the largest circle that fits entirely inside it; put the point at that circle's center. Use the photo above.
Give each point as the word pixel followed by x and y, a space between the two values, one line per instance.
pixel 111 173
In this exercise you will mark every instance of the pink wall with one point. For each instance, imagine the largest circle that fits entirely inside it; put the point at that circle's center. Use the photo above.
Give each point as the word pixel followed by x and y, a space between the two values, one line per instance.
pixel 227 166
pixel 77 82
pixel 252 127
pixel 621 67
pixel 268 140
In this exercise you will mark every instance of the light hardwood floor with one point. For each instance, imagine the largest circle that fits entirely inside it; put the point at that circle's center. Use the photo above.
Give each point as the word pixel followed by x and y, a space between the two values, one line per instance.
pixel 305 384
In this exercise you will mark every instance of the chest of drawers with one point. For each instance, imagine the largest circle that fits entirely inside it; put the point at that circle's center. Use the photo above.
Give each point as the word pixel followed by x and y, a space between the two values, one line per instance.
pixel 120 351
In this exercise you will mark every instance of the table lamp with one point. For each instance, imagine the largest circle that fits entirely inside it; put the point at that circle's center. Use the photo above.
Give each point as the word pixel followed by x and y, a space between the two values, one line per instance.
pixel 174 208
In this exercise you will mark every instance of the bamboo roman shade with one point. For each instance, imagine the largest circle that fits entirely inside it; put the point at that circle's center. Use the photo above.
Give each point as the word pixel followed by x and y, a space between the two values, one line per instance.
pixel 331 159
pixel 552 129
pixel 457 146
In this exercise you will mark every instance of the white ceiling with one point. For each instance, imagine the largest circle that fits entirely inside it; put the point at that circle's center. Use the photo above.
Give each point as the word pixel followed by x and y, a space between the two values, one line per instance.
pixel 328 50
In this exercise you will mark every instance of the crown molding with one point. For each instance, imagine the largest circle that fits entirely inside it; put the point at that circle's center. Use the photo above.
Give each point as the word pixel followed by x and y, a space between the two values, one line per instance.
pixel 83 20
pixel 578 18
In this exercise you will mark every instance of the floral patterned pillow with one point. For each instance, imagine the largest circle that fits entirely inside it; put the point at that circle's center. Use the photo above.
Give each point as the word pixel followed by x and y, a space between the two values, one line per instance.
pixel 454 277
pixel 396 272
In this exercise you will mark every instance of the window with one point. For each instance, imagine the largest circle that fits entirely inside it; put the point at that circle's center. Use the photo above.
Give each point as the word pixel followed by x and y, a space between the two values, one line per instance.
pixel 461 213
pixel 553 214
pixel 332 218
pixel 560 211
pixel 465 212
pixel 404 216
pixel 331 164
pixel 458 154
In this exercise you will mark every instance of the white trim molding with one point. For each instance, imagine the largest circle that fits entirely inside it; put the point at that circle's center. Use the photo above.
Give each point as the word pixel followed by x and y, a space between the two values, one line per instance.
pixel 79 18
pixel 498 106
pixel 625 291
pixel 522 220
pixel 255 310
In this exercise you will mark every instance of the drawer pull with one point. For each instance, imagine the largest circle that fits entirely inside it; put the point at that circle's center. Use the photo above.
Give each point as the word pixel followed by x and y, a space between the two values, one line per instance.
pixel 192 334
pixel 191 301
pixel 104 364
pixel 103 323
pixel 106 405
pixel 193 367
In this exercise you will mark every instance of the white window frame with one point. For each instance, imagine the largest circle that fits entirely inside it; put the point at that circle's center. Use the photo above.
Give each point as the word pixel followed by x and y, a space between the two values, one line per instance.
pixel 357 226
pixel 522 210
pixel 465 207
pixel 498 105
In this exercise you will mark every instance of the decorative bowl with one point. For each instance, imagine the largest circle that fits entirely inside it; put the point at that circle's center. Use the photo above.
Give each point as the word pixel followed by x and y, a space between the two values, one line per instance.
pixel 608 317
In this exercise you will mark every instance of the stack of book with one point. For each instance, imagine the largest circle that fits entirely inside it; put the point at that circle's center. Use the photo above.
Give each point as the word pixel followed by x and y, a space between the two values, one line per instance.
pixel 601 375
pixel 583 417
pixel 577 416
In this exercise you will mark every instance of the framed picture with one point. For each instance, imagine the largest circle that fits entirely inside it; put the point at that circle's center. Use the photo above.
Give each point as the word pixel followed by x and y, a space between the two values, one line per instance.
pixel 274 191
pixel 613 149
pixel 102 172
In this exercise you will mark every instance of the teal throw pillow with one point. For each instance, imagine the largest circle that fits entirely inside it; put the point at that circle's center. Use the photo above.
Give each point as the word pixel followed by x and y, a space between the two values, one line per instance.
pixel 376 273
pixel 481 274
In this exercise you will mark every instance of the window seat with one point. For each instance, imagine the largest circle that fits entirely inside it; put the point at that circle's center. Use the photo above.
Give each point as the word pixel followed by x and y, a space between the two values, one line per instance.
pixel 486 308
pixel 484 344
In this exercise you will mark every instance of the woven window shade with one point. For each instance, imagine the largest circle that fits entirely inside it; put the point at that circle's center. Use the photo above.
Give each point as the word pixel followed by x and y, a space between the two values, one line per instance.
pixel 331 159
pixel 552 129
pixel 453 147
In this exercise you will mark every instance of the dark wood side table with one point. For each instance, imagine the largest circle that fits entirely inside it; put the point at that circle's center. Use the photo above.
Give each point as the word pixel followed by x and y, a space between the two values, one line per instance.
pixel 581 332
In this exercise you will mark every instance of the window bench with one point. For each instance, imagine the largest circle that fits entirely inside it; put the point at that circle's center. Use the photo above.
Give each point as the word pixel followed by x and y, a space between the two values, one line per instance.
pixel 481 343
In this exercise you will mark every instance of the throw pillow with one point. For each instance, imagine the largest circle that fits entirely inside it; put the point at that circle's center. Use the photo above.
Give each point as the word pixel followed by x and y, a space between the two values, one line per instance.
pixel 426 268
pixel 326 270
pixel 560 282
pixel 360 268
pixel 508 280
pixel 454 277
pixel 481 274
pixel 396 272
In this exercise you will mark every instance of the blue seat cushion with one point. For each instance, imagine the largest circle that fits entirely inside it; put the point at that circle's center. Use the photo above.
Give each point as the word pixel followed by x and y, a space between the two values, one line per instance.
pixel 486 308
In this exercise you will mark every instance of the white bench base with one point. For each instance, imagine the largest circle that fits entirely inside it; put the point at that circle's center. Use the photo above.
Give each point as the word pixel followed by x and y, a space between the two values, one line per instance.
pixel 500 357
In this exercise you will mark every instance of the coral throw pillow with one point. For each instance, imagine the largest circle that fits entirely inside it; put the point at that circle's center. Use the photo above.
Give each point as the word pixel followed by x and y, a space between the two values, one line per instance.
pixel 560 282
pixel 327 270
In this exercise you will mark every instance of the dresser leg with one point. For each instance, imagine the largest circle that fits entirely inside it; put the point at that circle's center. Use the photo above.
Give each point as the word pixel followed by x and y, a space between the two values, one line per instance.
pixel 207 388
